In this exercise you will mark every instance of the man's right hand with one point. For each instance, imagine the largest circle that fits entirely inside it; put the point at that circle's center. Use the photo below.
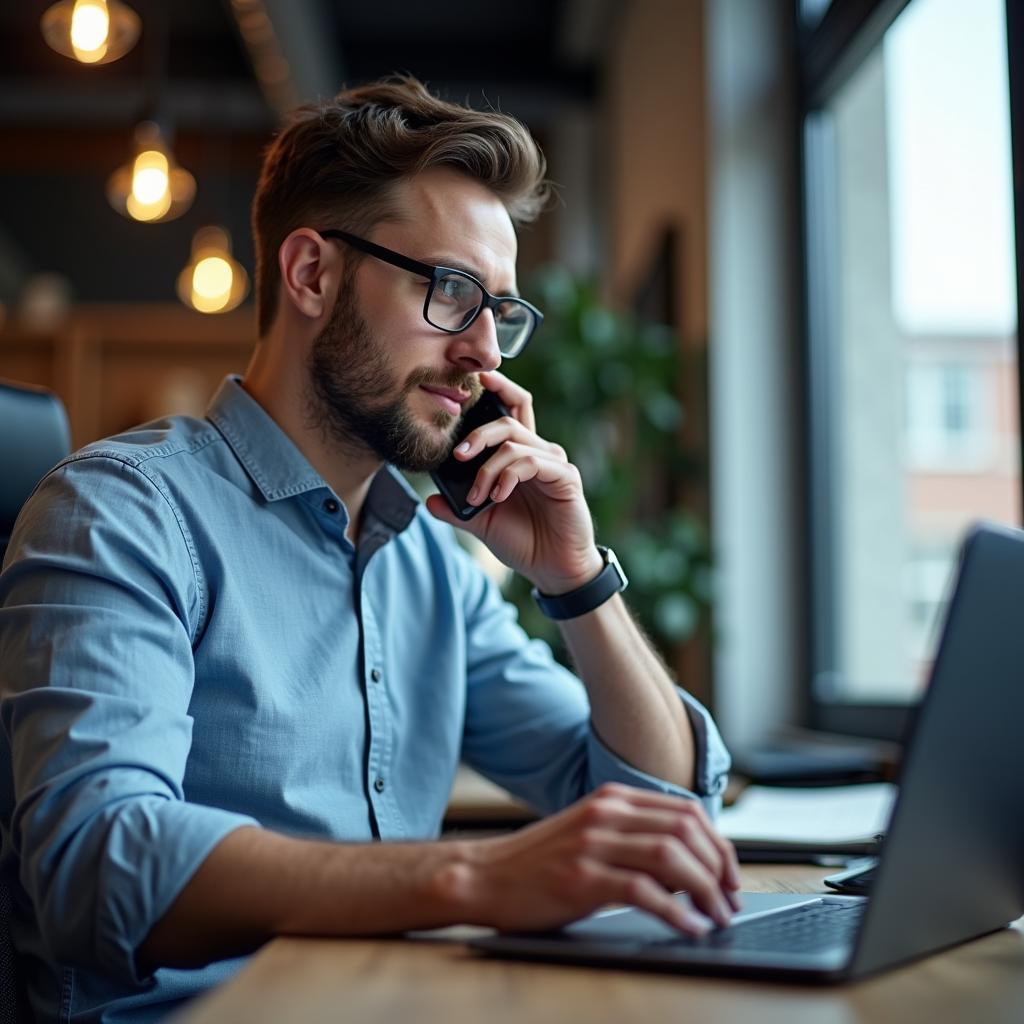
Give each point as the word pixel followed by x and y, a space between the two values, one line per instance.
pixel 617 845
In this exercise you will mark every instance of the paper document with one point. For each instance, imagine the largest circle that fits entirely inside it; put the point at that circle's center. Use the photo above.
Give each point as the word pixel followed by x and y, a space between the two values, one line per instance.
pixel 830 818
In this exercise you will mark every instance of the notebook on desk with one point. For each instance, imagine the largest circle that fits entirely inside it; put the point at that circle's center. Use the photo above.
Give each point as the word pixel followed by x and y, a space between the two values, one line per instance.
pixel 951 866
pixel 822 820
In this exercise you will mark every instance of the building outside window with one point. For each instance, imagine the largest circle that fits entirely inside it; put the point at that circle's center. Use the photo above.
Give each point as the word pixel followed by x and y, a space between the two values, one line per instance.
pixel 914 365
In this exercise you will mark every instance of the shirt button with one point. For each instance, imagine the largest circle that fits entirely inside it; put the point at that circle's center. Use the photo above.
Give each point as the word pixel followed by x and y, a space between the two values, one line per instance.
pixel 378 784
pixel 375 675
pixel 331 506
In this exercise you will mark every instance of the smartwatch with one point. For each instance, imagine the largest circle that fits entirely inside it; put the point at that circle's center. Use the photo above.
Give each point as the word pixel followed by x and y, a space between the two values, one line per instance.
pixel 611 580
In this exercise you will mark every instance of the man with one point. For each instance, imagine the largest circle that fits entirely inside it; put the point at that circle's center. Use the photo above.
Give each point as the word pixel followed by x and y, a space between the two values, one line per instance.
pixel 236 651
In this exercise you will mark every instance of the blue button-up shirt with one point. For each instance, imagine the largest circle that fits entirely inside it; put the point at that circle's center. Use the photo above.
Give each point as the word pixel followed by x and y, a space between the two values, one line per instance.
pixel 189 643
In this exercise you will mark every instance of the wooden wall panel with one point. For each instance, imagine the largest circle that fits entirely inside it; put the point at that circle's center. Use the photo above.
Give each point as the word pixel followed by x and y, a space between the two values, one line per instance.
pixel 116 366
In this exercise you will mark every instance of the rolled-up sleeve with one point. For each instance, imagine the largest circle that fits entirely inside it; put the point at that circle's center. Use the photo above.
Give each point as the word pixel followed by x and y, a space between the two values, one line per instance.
pixel 528 724
pixel 100 601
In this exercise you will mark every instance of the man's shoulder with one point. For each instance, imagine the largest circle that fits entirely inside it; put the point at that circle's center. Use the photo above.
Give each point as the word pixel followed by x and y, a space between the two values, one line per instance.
pixel 108 496
pixel 147 445
pixel 170 457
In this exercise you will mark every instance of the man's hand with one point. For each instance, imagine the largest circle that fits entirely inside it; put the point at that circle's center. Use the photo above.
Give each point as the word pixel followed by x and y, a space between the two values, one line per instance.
pixel 617 845
pixel 540 525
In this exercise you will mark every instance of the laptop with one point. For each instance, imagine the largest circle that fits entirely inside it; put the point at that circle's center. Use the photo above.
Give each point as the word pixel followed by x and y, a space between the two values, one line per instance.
pixel 952 865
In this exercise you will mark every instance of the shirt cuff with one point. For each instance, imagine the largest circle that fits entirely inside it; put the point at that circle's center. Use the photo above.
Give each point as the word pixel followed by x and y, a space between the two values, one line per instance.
pixel 189 832
pixel 711 761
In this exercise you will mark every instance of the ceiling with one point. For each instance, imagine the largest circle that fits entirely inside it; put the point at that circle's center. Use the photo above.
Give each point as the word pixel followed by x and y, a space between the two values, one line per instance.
pixel 65 127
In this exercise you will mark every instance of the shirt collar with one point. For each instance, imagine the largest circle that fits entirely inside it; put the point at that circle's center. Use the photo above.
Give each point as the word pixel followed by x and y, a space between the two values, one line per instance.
pixel 280 470
pixel 392 500
pixel 269 456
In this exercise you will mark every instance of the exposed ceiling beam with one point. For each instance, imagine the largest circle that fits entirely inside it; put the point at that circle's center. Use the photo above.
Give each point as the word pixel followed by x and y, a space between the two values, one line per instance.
pixel 33 149
pixel 293 57
pixel 318 68
pixel 236 108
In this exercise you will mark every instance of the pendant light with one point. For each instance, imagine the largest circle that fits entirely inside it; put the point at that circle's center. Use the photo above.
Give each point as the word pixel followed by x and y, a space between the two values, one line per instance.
pixel 90 31
pixel 213 281
pixel 151 187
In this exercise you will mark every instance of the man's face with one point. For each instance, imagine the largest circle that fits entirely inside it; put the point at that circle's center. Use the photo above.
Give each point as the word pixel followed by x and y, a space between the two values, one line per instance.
pixel 382 379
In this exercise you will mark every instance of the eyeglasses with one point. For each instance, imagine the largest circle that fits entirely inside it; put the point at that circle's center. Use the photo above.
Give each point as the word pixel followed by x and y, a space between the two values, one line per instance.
pixel 455 299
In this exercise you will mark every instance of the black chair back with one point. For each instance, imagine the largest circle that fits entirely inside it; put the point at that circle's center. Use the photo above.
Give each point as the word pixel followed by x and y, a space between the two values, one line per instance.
pixel 13 1002
pixel 34 437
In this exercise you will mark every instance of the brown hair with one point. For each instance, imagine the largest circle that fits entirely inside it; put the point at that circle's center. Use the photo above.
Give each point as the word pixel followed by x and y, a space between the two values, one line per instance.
pixel 340 160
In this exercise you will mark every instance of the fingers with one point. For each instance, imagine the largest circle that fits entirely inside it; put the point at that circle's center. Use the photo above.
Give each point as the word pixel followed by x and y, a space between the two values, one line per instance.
pixel 629 810
pixel 517 442
pixel 514 464
pixel 516 397
pixel 635 889
pixel 492 434
pixel 683 829
pixel 618 845
pixel 668 861
pixel 692 810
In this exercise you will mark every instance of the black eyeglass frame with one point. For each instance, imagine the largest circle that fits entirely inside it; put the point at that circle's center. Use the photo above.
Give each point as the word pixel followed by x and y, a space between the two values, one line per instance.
pixel 434 275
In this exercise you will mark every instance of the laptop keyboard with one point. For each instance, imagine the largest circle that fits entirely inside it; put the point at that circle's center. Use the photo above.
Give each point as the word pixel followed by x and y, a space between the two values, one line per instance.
pixel 807 929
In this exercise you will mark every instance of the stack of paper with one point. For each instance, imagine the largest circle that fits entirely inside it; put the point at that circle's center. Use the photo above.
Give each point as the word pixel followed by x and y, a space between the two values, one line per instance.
pixel 830 819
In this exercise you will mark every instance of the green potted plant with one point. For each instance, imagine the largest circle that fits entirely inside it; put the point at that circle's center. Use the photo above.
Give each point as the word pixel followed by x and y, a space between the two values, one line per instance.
pixel 606 388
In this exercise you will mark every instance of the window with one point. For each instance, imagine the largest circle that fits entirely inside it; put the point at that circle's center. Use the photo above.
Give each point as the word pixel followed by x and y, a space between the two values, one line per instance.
pixel 951 426
pixel 912 347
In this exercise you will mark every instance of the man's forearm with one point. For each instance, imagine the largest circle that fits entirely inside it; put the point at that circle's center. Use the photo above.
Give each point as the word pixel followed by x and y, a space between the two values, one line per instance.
pixel 635 708
pixel 256 884
pixel 618 844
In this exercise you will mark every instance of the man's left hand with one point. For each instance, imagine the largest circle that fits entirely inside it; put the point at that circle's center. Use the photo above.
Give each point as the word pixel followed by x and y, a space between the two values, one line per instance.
pixel 539 524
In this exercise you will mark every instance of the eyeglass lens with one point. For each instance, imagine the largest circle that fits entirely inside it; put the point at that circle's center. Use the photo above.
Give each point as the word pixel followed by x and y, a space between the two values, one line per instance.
pixel 455 301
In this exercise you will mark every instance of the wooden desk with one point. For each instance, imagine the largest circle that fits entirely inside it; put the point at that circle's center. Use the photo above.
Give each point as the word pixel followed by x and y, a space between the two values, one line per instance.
pixel 442 982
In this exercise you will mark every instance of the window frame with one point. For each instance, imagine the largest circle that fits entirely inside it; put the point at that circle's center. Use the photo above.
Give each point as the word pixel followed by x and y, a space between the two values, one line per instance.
pixel 829 52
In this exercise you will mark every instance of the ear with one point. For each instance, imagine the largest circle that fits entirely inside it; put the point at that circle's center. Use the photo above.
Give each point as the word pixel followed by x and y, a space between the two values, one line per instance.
pixel 310 269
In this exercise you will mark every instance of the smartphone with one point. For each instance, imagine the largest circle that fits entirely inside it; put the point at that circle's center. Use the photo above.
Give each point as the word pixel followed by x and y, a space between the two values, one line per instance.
pixel 856 879
pixel 454 479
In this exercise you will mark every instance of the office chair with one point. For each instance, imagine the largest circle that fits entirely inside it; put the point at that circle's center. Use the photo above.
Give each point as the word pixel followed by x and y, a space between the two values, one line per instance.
pixel 34 436
pixel 13 1002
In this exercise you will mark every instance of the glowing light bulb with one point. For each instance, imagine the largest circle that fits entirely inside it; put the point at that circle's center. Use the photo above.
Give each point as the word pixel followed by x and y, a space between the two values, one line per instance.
pixel 148 211
pixel 213 282
pixel 151 186
pixel 90 30
pixel 150 196
pixel 150 177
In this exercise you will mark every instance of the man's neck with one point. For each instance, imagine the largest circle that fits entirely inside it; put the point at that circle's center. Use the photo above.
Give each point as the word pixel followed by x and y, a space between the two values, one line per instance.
pixel 279 389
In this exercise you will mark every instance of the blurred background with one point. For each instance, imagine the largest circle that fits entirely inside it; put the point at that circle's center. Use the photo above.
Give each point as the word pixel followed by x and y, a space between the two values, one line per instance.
pixel 781 282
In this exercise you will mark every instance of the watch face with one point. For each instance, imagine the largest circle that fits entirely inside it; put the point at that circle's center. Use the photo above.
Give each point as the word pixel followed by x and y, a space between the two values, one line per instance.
pixel 613 561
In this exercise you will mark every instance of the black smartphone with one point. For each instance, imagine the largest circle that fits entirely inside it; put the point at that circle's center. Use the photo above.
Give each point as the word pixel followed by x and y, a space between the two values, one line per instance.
pixel 857 879
pixel 454 479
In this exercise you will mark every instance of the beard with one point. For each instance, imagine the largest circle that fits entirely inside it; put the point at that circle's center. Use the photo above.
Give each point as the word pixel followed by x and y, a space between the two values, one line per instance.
pixel 350 379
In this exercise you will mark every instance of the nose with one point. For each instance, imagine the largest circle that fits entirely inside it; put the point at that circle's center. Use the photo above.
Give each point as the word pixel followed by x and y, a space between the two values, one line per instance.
pixel 476 348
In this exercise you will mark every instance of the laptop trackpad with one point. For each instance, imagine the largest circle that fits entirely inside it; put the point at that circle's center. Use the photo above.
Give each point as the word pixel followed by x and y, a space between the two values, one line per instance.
pixel 630 924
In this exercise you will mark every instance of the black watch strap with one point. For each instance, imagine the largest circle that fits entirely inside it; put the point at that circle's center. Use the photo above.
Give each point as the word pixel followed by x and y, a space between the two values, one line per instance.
pixel 609 581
